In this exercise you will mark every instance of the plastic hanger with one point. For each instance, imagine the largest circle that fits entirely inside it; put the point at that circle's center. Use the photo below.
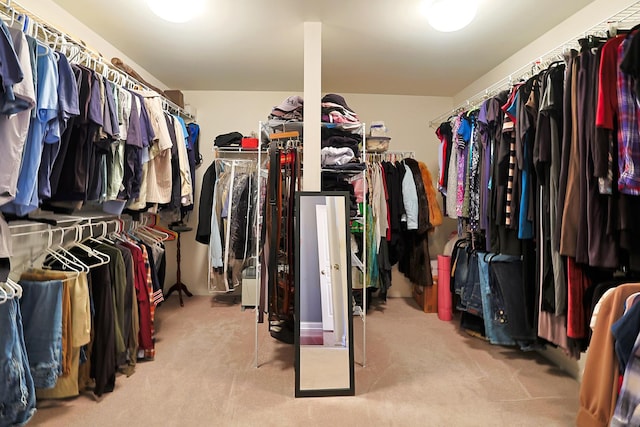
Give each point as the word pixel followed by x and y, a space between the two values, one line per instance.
pixel 67 264
pixel 171 235
pixel 3 295
pixel 100 257
pixel 9 291
pixel 146 227
pixel 16 287
pixel 150 235
pixel 103 236
pixel 66 258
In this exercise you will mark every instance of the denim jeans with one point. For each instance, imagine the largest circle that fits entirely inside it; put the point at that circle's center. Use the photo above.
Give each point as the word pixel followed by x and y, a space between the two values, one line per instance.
pixel 17 391
pixel 461 274
pixel 495 319
pixel 508 276
pixel 472 295
pixel 41 306
pixel 467 282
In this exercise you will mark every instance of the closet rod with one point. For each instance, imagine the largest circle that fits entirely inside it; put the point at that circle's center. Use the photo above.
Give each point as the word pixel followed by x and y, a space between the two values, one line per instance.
pixel 24 223
pixel 49 35
pixel 625 16
pixel 53 229
pixel 390 154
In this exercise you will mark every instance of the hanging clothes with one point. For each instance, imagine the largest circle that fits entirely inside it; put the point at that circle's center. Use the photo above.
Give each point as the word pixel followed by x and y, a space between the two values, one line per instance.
pixel 115 141
pixel 229 220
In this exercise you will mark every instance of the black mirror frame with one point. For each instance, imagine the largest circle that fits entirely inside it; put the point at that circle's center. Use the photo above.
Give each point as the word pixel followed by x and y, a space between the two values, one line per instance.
pixel 322 392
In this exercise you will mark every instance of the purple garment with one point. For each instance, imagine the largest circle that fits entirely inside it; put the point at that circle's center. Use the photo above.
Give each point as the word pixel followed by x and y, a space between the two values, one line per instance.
pixel 482 114
pixel 68 98
pixel 107 124
pixel 95 107
pixel 134 132
pixel 10 70
pixel 111 125
pixel 147 135
pixel 113 110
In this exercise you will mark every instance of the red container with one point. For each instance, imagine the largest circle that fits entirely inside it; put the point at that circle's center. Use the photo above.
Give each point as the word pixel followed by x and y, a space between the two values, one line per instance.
pixel 249 143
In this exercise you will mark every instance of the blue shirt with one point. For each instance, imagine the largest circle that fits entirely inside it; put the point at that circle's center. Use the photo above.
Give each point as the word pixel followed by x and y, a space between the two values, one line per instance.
pixel 185 132
pixel 68 106
pixel 47 110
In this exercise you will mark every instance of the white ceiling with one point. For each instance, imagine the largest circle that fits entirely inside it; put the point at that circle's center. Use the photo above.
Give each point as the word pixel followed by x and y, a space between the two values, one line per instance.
pixel 369 46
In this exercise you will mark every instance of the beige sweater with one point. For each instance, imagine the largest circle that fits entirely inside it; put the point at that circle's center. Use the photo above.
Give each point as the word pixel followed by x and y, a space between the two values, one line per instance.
pixel 599 387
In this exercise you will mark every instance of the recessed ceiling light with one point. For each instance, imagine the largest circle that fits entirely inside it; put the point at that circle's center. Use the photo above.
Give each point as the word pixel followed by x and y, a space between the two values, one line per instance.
pixel 177 11
pixel 450 15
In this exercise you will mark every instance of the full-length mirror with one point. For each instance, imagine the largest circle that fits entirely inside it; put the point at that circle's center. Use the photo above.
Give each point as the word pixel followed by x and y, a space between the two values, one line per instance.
pixel 324 327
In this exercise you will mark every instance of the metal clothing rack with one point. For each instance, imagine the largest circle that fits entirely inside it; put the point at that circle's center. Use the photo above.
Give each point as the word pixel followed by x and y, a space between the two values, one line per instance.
pixel 390 156
pixel 627 16
pixel 234 164
pixel 43 233
pixel 78 52
pixel 239 154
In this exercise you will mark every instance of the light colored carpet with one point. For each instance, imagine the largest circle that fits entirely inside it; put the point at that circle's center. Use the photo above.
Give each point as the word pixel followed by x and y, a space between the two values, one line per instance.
pixel 420 371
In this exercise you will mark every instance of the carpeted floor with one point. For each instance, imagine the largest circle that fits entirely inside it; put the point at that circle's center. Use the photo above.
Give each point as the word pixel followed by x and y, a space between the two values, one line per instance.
pixel 419 371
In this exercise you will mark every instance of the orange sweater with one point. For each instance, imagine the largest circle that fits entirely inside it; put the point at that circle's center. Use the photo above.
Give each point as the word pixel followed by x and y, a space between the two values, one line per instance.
pixel 435 213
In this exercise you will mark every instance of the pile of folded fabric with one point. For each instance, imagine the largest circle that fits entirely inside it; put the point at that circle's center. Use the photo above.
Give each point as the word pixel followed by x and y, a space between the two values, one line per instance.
pixel 231 139
pixel 336 110
pixel 341 135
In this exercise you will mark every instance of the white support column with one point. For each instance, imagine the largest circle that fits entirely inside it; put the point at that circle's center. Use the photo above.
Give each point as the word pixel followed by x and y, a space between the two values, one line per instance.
pixel 312 111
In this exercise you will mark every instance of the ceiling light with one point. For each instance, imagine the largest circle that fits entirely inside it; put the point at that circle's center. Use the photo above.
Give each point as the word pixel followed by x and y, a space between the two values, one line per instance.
pixel 174 11
pixel 450 15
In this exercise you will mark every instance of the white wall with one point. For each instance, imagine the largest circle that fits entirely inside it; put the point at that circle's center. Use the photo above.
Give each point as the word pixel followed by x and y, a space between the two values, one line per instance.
pixel 220 112
pixel 580 22
pixel 63 21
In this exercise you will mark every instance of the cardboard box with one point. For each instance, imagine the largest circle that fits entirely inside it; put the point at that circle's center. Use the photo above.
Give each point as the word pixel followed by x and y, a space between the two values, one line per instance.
pixel 175 96
pixel 427 296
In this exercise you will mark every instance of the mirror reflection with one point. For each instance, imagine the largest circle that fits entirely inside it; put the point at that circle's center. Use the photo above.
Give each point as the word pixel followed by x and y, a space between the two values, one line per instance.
pixel 324 363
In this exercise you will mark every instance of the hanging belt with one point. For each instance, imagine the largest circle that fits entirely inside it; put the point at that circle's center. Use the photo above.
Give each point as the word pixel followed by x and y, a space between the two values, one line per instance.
pixel 273 219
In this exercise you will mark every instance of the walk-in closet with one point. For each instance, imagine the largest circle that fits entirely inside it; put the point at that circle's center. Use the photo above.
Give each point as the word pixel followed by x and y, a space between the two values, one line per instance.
pixel 241 213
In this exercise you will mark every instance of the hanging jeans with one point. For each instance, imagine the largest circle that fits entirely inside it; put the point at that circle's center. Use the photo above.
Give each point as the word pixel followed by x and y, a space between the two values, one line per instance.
pixel 41 305
pixel 17 393
pixel 495 319
pixel 460 266
pixel 509 277
pixel 472 295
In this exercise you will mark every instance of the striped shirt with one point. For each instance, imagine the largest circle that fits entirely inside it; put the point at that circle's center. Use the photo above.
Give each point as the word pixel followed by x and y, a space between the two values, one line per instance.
pixel 628 132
